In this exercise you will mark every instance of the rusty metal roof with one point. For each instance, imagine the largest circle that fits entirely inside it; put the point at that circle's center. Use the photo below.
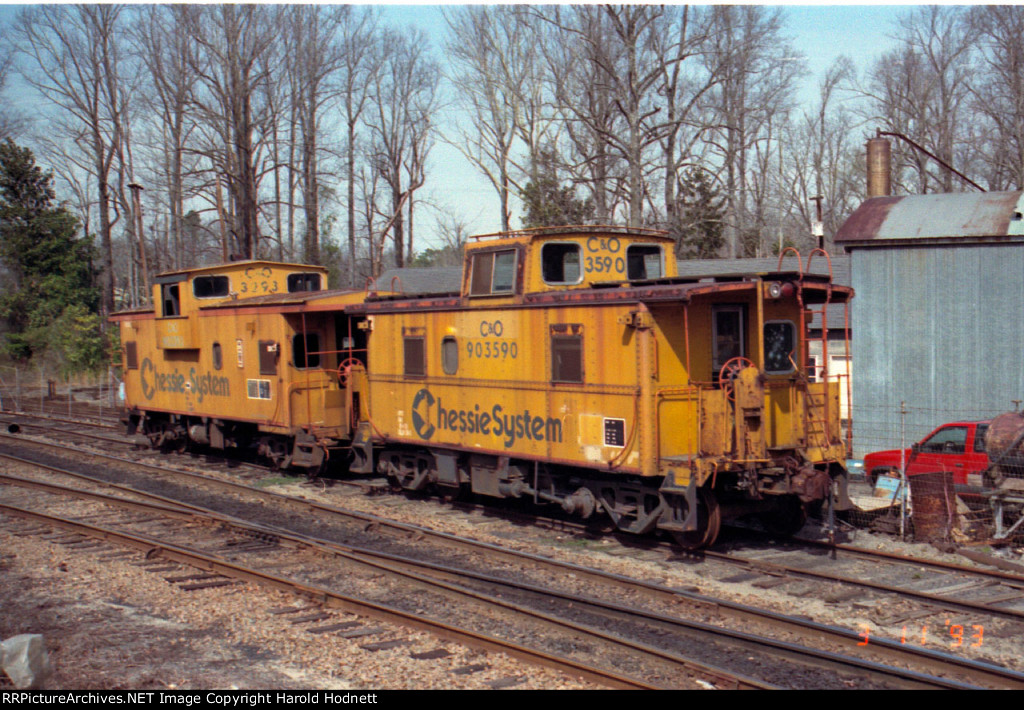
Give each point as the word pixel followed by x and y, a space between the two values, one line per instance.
pixel 237 266
pixel 765 267
pixel 421 281
pixel 279 299
pixel 940 218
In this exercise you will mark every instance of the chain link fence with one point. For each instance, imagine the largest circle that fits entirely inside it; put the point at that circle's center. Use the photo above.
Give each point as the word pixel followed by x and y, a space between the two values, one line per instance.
pixel 41 390
pixel 948 497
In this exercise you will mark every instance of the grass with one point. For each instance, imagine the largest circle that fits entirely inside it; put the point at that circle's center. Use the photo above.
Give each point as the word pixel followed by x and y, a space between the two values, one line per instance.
pixel 275 481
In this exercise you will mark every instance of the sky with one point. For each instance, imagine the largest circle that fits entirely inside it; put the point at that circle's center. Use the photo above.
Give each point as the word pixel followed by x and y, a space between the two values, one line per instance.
pixel 822 33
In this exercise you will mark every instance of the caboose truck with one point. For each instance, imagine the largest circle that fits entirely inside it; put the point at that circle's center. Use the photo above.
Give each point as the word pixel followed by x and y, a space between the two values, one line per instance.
pixel 575 367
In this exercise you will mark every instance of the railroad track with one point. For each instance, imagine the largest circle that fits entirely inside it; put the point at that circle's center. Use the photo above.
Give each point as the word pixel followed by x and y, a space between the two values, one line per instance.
pixel 920 599
pixel 55 429
pixel 840 636
pixel 999 589
pixel 79 413
pixel 164 541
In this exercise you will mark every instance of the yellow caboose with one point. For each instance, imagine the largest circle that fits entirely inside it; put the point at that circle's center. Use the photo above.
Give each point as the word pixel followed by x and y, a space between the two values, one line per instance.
pixel 576 367
pixel 245 354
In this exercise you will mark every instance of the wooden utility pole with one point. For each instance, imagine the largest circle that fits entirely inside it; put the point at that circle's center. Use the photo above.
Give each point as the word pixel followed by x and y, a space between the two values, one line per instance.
pixel 143 264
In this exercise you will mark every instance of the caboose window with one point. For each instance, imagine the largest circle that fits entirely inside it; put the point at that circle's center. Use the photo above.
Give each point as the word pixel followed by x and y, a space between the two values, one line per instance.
pixel 171 303
pixel 727 335
pixel 449 355
pixel 643 261
pixel 779 347
pixel 566 357
pixel 211 286
pixel 560 263
pixel 218 357
pixel 493 272
pixel 504 272
pixel 306 350
pixel 303 282
pixel 415 356
pixel 131 355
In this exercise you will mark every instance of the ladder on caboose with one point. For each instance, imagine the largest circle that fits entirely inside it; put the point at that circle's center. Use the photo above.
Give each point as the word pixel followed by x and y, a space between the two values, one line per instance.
pixel 817 408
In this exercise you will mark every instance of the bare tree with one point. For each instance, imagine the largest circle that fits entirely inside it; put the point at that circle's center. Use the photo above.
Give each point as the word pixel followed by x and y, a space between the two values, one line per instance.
pixel 74 55
pixel 164 46
pixel 633 95
pixel 493 58
pixel 12 121
pixel 998 93
pixel 404 102
pixel 230 42
pixel 821 157
pixel 361 52
pixel 921 90
pixel 577 47
pixel 314 54
pixel 756 71
pixel 683 86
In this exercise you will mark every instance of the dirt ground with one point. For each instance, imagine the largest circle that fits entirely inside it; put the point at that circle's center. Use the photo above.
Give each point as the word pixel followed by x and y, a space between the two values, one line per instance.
pixel 109 623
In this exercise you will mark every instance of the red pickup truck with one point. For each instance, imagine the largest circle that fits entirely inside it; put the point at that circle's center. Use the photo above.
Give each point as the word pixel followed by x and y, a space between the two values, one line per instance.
pixel 958 447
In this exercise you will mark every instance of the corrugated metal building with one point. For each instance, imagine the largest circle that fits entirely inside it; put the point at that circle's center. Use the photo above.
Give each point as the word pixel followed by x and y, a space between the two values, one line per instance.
pixel 939 311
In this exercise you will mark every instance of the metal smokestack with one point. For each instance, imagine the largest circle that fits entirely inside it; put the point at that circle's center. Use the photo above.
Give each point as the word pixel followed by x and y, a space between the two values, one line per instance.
pixel 879 168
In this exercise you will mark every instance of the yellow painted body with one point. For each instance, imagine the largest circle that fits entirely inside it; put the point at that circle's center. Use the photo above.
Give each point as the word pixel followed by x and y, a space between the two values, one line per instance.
pixel 646 402
pixel 239 355
pixel 570 357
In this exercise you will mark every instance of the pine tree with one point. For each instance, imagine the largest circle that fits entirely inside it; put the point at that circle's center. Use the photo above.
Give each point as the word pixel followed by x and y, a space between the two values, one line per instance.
pixel 547 202
pixel 49 265
pixel 699 225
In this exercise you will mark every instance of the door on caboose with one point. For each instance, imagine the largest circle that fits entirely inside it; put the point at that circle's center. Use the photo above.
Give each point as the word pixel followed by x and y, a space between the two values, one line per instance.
pixel 727 336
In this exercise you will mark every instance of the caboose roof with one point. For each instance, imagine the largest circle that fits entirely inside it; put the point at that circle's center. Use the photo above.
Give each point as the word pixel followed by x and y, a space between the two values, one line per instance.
pixel 816 290
pixel 309 299
pixel 233 266
pixel 541 233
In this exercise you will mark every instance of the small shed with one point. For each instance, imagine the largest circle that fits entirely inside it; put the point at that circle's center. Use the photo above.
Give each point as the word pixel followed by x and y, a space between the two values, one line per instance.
pixel 939 312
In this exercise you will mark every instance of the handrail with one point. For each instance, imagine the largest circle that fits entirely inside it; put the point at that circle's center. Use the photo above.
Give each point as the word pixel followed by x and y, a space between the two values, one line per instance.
pixel 799 259
pixel 828 260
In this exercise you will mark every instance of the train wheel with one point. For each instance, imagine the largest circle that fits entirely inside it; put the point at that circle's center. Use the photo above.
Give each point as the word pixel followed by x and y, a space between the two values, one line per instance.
pixel 172 439
pixel 709 524
pixel 277 450
pixel 786 518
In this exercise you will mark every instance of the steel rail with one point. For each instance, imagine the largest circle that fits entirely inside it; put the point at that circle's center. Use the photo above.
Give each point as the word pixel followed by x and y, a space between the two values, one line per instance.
pixel 50 428
pixel 156 548
pixel 928 597
pixel 940 662
pixel 99 423
pixel 879 648
pixel 997 575
pixel 398 566
pixel 811 656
